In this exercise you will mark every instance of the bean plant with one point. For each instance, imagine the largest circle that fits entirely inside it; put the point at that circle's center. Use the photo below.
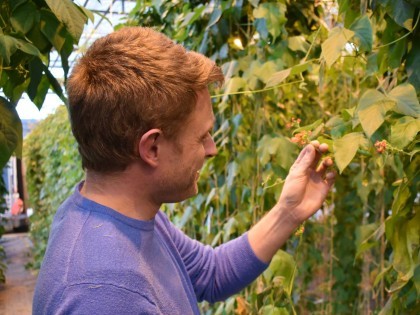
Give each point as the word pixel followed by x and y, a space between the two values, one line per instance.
pixel 342 72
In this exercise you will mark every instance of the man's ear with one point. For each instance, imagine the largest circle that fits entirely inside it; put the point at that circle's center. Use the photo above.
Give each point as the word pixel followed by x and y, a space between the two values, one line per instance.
pixel 148 147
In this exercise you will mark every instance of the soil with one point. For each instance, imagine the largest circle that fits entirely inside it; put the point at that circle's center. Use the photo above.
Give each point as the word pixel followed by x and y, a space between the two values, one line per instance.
pixel 17 293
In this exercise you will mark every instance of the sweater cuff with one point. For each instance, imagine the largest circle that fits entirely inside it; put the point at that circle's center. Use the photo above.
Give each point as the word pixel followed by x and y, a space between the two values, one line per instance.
pixel 247 264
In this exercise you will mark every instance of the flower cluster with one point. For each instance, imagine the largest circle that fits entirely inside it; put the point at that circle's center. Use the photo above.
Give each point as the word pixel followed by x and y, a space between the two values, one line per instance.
pixel 294 123
pixel 299 231
pixel 301 138
pixel 381 146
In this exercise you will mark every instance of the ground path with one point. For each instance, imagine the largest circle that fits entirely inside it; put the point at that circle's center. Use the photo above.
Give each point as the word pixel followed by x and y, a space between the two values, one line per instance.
pixel 16 295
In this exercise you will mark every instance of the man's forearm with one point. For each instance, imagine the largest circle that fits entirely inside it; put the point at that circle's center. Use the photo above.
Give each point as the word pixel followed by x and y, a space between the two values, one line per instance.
pixel 271 232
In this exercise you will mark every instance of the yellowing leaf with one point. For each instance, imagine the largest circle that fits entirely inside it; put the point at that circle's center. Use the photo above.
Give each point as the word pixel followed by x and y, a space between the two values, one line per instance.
pixel 296 43
pixel 346 148
pixel 371 111
pixel 278 77
pixel 406 98
pixel 404 131
pixel 332 47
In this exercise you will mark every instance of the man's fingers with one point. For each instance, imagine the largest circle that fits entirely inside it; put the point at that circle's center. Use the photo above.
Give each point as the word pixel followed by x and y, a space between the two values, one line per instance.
pixel 310 156
pixel 315 143
pixel 305 156
pixel 323 147
pixel 324 165
pixel 330 178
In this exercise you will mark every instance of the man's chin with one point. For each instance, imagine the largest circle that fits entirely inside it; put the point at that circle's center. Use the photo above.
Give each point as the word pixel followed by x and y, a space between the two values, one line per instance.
pixel 192 192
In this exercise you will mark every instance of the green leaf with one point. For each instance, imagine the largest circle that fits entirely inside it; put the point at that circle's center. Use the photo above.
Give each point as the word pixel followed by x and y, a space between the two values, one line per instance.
pixel 273 15
pixel 36 37
pixel 406 99
pixel 380 276
pixel 229 228
pixel 55 85
pixel 192 16
pixel 10 132
pixel 401 11
pixel 372 64
pixel 413 64
pixel 41 92
pixel 396 53
pixel 273 310
pixel 16 3
pixel 234 85
pixel 232 172
pixel 362 29
pixel 298 43
pixel 346 148
pixel 23 17
pixel 365 238
pixel 332 47
pixel 404 237
pixel 69 14
pixel 53 30
pixel 35 70
pixel 214 18
pixel 371 111
pixel 27 48
pixel 7 47
pixel 65 53
pixel 282 265
pixel 274 147
pixel 88 13
pixel 310 127
pixel 265 71
pixel 404 131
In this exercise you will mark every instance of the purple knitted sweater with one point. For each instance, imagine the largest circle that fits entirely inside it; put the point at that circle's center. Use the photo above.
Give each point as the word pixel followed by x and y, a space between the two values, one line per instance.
pixel 99 261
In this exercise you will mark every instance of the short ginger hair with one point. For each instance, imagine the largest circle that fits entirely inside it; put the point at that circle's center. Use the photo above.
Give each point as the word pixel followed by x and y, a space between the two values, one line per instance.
pixel 127 83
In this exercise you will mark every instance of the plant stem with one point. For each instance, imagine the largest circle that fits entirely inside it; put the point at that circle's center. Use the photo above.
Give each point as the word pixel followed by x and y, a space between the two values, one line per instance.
pixel 257 91
pixel 400 38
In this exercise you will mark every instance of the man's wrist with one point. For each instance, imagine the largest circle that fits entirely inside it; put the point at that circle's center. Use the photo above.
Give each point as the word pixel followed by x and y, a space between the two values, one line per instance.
pixel 287 216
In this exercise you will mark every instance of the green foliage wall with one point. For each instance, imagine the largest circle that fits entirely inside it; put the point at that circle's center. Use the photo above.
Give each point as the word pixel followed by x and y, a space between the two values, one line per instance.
pixel 29 31
pixel 343 72
pixel 53 169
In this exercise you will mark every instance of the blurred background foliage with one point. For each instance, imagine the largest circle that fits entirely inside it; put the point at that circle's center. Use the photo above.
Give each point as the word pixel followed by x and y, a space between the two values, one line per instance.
pixel 343 72
pixel 29 31
pixel 53 170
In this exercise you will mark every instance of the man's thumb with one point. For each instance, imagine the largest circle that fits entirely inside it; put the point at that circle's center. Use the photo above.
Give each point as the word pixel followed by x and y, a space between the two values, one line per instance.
pixel 306 156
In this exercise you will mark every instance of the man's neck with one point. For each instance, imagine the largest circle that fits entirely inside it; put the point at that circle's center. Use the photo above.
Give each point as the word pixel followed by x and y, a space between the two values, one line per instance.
pixel 124 192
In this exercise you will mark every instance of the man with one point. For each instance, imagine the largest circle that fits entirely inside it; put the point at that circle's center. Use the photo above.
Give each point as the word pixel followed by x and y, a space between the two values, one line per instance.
pixel 142 116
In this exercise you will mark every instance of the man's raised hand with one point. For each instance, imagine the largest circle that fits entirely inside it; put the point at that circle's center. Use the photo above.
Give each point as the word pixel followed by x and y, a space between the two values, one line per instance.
pixel 307 184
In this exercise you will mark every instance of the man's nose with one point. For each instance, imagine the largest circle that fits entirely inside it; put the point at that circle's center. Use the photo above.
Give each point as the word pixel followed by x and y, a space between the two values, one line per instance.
pixel 211 149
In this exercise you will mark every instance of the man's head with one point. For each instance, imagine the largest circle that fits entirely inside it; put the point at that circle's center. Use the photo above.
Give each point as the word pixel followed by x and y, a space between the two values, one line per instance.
pixel 127 83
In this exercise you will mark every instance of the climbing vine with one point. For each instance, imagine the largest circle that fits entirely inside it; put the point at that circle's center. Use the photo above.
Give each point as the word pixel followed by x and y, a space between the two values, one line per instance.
pixel 341 72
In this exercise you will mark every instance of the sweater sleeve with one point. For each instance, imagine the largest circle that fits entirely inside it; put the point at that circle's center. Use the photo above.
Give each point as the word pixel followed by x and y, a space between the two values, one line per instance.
pixel 217 273
pixel 105 299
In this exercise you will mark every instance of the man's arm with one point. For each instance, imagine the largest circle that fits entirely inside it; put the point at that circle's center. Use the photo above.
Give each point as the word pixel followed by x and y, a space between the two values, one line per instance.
pixel 304 191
